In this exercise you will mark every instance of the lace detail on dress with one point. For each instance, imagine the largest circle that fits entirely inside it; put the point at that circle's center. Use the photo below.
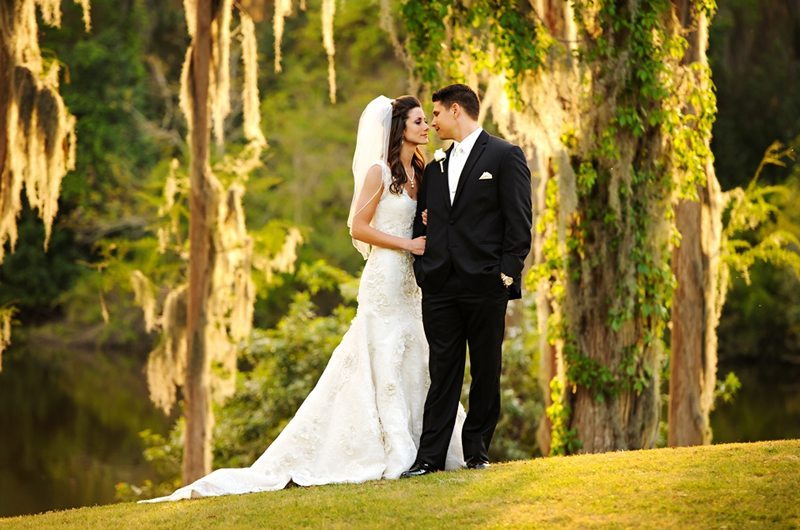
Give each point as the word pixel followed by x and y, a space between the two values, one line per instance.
pixel 387 283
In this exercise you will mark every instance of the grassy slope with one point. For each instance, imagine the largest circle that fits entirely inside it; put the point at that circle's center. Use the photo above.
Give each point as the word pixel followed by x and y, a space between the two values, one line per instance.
pixel 722 486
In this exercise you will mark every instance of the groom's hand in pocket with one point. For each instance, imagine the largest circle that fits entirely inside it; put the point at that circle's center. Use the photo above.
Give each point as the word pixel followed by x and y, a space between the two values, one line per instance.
pixel 425 217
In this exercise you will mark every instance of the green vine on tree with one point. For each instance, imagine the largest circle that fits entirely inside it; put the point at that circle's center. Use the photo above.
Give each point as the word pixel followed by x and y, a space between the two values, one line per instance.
pixel 564 440
pixel 444 32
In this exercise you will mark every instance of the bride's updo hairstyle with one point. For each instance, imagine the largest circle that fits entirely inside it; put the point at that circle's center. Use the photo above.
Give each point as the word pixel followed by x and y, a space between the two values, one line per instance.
pixel 400 109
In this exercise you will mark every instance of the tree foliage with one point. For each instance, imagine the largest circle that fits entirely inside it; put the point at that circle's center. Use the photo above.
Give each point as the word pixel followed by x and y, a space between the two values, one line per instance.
pixel 761 211
pixel 755 58
pixel 37 132
pixel 762 231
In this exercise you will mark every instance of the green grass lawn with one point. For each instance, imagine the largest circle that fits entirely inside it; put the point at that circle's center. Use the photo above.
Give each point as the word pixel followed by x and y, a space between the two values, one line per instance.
pixel 722 486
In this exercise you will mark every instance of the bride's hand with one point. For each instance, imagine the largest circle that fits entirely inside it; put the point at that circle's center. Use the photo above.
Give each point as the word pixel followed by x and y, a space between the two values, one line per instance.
pixel 425 217
pixel 417 246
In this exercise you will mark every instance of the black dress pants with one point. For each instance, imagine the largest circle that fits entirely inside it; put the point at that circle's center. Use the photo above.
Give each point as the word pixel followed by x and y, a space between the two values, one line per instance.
pixel 455 317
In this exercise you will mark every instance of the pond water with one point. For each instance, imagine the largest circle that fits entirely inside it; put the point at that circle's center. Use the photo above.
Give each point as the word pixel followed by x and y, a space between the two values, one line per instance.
pixel 69 424
pixel 766 408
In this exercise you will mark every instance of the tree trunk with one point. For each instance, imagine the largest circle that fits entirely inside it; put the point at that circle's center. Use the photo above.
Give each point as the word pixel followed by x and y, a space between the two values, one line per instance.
pixel 203 322
pixel 537 133
pixel 6 90
pixel 6 186
pixel 695 263
pixel 574 326
pixel 602 309
pixel 693 364
pixel 197 399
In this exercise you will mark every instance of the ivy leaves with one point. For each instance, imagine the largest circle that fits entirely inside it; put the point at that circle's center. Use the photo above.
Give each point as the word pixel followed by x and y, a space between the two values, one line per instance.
pixel 501 36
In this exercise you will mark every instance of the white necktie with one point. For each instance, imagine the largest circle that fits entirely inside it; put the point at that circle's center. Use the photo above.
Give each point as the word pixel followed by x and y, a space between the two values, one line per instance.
pixel 454 168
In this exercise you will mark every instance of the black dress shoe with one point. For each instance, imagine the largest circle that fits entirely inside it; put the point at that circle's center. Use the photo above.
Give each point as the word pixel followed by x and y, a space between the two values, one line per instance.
pixel 474 463
pixel 418 469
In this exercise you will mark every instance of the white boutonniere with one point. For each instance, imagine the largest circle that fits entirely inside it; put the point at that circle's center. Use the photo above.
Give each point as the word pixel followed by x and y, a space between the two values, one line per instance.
pixel 439 155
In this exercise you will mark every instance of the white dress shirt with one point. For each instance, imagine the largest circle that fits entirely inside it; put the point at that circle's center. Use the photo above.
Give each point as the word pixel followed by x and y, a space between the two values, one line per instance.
pixel 458 157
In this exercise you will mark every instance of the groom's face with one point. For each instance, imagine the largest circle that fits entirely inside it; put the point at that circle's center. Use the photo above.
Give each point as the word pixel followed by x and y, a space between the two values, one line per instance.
pixel 444 120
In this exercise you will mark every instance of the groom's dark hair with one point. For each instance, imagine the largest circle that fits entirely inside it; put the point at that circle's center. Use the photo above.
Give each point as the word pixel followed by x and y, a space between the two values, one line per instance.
pixel 461 94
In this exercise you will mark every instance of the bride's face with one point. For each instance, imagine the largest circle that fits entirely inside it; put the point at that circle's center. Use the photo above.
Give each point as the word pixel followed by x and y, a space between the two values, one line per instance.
pixel 416 127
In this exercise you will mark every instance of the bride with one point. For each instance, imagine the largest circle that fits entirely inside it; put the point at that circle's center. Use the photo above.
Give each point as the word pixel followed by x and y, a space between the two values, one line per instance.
pixel 363 419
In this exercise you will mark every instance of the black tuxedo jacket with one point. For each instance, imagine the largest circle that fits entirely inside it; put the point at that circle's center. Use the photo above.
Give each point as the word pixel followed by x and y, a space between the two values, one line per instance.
pixel 487 230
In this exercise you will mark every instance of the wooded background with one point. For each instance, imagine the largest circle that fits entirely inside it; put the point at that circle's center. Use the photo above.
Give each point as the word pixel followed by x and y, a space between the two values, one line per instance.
pixel 637 138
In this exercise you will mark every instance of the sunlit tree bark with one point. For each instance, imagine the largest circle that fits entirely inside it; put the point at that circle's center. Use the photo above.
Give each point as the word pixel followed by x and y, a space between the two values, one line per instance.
pixel 696 265
pixel 203 198
pixel 217 303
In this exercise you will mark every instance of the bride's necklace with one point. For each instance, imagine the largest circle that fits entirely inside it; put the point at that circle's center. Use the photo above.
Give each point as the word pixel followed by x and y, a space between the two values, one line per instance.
pixel 410 176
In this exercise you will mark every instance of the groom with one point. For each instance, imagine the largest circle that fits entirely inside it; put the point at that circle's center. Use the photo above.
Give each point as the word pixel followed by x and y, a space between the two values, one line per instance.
pixel 478 232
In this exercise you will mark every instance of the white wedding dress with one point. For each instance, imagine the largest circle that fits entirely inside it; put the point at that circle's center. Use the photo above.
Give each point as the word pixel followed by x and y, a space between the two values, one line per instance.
pixel 363 419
